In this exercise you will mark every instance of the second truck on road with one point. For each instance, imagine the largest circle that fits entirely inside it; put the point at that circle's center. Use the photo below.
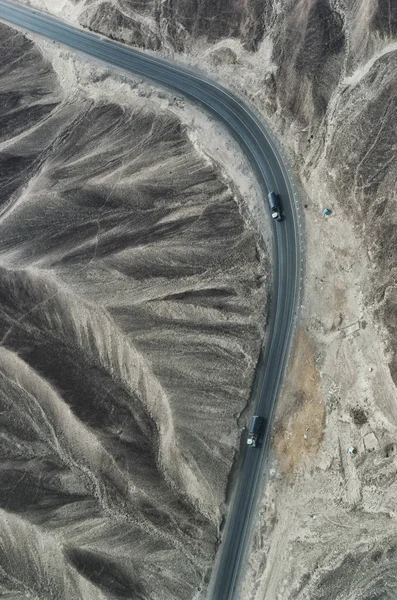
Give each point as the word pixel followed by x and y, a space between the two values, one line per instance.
pixel 254 431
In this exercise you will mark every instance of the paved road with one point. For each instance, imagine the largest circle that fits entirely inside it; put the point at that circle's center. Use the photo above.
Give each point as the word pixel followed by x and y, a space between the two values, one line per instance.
pixel 256 142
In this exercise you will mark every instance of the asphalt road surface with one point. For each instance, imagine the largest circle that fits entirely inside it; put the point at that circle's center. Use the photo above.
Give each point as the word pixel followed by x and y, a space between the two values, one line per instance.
pixel 256 142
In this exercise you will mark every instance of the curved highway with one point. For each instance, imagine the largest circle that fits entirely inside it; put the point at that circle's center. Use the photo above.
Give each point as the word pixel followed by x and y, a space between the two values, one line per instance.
pixel 265 159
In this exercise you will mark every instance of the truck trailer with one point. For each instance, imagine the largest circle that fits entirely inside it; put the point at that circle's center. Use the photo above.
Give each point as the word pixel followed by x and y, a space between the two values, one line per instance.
pixel 254 430
pixel 275 206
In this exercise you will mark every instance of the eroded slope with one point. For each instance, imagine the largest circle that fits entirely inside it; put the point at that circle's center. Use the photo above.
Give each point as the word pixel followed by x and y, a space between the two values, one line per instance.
pixel 324 73
pixel 130 295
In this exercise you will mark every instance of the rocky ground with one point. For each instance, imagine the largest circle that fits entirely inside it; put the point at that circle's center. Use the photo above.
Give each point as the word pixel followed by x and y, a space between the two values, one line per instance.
pixel 132 291
pixel 323 72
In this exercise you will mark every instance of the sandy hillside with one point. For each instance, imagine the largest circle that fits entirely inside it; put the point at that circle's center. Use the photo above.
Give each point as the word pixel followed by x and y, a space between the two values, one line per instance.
pixel 323 72
pixel 131 292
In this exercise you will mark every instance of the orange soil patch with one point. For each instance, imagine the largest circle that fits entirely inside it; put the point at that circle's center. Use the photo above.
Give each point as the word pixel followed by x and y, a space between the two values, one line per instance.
pixel 302 410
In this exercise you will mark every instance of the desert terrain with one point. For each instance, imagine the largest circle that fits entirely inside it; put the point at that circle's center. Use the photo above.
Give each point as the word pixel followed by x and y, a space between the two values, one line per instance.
pixel 323 74
pixel 133 285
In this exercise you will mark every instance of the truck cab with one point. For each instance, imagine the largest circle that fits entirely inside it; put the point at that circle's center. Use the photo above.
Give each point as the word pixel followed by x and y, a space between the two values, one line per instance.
pixel 275 206
pixel 254 430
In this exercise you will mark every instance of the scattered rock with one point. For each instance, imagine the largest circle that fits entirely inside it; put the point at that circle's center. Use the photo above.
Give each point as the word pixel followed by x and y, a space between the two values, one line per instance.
pixel 370 442
pixel 390 450
pixel 359 416
pixel 223 56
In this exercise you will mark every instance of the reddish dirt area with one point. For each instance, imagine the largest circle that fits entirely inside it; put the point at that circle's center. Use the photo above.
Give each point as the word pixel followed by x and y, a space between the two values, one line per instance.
pixel 300 421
